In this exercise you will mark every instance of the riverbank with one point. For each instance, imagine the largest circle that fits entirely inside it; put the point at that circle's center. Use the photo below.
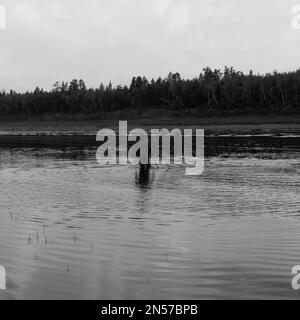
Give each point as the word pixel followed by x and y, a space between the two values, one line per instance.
pixel 90 127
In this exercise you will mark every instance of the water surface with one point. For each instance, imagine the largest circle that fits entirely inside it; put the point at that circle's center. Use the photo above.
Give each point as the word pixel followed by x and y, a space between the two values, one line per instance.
pixel 70 229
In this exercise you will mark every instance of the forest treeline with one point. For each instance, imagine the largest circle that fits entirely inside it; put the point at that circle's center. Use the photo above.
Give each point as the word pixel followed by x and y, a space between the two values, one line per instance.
pixel 212 93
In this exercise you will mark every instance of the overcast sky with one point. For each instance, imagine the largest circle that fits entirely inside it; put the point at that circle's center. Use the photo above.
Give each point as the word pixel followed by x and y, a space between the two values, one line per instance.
pixel 101 40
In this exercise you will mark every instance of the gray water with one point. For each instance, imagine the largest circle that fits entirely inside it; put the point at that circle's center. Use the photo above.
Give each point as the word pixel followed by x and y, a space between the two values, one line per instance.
pixel 70 229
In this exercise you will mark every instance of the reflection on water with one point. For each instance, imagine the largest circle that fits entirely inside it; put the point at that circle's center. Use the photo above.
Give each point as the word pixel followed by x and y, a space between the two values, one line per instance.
pixel 144 177
pixel 71 229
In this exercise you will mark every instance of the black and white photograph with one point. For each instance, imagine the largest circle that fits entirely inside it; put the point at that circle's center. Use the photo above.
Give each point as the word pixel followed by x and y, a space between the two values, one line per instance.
pixel 149 151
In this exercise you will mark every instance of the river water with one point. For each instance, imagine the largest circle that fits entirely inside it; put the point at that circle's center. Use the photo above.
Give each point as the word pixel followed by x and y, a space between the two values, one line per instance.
pixel 70 229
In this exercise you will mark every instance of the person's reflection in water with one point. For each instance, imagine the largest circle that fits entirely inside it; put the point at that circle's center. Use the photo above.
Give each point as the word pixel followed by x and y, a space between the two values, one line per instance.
pixel 143 177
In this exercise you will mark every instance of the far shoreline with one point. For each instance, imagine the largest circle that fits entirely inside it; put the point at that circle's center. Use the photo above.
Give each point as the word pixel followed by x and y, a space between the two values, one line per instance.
pixel 38 133
pixel 91 126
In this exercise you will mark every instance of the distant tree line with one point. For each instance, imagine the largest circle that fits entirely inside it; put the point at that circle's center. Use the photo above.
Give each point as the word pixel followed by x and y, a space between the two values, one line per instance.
pixel 213 92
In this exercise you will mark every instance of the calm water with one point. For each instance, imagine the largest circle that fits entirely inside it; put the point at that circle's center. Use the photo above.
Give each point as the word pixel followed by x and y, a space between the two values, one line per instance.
pixel 70 229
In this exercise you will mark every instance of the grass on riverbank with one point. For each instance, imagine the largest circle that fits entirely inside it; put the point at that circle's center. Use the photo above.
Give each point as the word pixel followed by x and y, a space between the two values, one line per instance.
pixel 92 125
